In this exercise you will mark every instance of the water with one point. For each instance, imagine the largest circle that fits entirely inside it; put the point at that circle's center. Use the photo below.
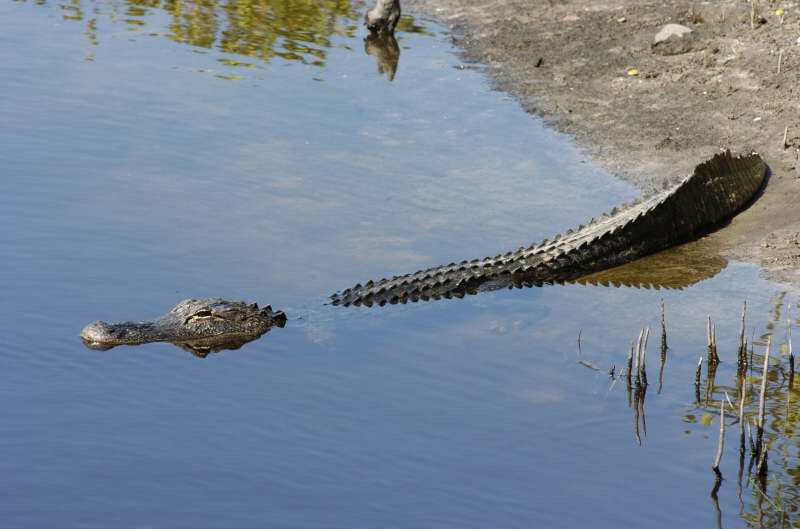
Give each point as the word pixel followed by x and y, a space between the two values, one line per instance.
pixel 154 151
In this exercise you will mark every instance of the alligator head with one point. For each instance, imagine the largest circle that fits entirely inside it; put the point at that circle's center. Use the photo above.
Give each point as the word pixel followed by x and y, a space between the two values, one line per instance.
pixel 206 325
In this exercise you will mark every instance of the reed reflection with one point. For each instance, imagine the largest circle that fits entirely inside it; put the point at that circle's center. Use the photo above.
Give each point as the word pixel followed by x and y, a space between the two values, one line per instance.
pixel 768 446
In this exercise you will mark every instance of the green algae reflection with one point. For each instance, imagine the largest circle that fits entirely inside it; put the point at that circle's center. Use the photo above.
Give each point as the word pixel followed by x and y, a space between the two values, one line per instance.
pixel 293 30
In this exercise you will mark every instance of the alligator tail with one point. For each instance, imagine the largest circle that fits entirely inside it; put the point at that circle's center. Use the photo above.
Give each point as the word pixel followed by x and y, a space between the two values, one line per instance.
pixel 716 190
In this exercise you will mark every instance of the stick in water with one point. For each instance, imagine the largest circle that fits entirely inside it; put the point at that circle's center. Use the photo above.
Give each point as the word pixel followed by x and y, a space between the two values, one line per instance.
pixel 721 444
pixel 763 395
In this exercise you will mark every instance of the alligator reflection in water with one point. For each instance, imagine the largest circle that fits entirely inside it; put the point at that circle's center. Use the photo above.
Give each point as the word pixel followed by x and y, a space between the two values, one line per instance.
pixel 199 326
pixel 296 30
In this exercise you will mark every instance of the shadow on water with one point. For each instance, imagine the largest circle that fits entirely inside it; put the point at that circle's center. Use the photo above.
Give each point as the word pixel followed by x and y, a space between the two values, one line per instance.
pixel 292 30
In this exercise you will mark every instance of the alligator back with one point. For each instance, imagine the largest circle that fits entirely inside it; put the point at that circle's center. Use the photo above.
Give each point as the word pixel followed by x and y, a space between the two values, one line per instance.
pixel 713 193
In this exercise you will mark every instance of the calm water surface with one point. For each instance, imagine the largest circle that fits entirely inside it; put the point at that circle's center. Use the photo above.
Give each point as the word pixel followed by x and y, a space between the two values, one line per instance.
pixel 263 150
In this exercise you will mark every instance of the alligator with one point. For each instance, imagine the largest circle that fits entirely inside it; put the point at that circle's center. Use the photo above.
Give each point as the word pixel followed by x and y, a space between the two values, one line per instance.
pixel 596 254
pixel 198 325
pixel 383 18
pixel 710 196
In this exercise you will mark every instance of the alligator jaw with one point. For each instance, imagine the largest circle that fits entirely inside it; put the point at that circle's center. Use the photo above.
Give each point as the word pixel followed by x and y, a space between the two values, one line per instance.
pixel 716 190
pixel 102 336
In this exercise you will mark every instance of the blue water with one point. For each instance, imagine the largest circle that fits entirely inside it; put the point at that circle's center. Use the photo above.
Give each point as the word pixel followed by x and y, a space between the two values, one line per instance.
pixel 144 164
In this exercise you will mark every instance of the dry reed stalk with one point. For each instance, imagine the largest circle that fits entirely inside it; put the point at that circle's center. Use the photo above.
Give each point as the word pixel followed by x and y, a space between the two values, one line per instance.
pixel 637 355
pixel 742 356
pixel 713 358
pixel 642 358
pixel 721 444
pixel 762 398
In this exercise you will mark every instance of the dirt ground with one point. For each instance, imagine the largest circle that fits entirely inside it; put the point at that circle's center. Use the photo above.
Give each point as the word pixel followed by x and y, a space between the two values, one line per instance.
pixel 587 67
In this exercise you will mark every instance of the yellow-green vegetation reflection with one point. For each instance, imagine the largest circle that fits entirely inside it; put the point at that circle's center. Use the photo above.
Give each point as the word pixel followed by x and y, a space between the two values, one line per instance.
pixel 296 30
pixel 770 498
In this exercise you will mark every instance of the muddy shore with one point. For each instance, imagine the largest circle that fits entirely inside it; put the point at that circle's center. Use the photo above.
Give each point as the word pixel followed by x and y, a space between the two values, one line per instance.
pixel 587 67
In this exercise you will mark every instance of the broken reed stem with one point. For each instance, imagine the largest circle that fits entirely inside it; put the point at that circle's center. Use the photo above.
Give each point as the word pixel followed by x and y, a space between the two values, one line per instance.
pixel 741 415
pixel 697 374
pixel 663 334
pixel 630 364
pixel 579 340
pixel 762 396
pixel 791 352
pixel 642 355
pixel 638 355
pixel 785 136
pixel 742 357
pixel 698 371
pixel 780 60
pixel 721 445
pixel 712 343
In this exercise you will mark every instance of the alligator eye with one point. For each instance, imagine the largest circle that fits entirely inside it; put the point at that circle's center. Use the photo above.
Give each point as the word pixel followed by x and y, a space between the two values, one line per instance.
pixel 200 315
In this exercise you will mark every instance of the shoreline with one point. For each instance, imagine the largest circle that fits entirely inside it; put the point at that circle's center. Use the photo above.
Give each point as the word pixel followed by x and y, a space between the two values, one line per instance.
pixel 571 64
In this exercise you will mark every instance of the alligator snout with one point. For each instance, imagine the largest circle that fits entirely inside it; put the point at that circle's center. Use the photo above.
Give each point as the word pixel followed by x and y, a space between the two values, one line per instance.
pixel 101 335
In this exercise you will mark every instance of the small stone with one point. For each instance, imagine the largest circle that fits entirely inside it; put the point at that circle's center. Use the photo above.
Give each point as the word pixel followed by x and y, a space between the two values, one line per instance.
pixel 673 39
